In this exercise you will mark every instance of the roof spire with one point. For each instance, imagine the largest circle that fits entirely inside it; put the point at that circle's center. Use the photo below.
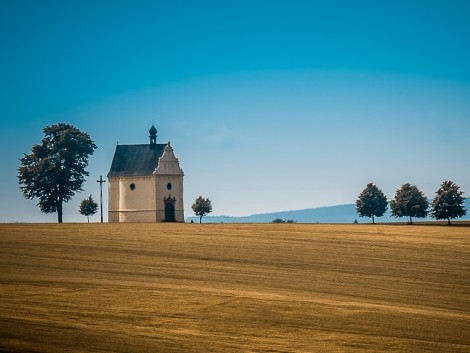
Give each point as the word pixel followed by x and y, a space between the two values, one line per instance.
pixel 153 135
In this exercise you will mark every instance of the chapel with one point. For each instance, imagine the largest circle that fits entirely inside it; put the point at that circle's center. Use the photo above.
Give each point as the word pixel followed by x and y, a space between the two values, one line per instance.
pixel 145 183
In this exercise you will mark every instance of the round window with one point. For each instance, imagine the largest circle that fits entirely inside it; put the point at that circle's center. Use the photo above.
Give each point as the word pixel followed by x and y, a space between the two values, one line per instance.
pixel 132 186
pixel 168 186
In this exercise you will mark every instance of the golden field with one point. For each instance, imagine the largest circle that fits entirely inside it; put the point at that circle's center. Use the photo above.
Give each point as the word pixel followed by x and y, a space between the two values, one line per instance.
pixel 234 288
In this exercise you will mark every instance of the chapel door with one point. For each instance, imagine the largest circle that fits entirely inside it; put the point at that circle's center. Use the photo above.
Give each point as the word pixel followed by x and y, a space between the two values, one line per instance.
pixel 169 211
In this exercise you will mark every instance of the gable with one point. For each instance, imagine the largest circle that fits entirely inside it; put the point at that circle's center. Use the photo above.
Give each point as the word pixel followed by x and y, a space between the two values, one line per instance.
pixel 135 160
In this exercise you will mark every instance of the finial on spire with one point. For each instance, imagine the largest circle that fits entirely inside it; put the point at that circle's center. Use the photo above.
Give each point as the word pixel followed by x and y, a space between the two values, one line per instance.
pixel 153 135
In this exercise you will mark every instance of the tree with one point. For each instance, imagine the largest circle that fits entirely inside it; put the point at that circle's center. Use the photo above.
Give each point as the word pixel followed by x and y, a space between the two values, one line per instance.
pixel 88 208
pixel 371 202
pixel 55 168
pixel 280 220
pixel 410 202
pixel 201 207
pixel 449 202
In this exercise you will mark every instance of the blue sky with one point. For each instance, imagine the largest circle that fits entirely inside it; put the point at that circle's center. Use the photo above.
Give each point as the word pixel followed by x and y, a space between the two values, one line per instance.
pixel 269 106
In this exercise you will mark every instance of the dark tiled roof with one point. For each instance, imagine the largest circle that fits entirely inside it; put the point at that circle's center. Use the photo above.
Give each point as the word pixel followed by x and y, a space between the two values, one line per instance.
pixel 135 160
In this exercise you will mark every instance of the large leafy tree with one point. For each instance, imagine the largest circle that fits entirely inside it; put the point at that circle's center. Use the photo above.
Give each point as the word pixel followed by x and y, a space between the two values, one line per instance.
pixel 88 207
pixel 449 202
pixel 371 202
pixel 55 169
pixel 201 207
pixel 409 201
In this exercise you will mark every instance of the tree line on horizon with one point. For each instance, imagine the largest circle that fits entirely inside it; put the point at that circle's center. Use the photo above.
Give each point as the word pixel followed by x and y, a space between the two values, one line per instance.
pixel 410 202
pixel 56 169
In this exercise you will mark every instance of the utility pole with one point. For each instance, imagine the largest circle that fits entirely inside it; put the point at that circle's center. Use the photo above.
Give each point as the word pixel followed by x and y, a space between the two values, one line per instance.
pixel 101 181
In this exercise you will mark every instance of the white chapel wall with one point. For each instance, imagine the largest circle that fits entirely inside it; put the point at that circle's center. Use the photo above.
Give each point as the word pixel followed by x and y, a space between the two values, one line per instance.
pixel 137 199
pixel 176 192
pixel 113 200
pixel 169 171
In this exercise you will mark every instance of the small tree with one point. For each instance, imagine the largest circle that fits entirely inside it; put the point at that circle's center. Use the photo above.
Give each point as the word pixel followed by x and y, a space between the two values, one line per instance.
pixel 55 168
pixel 371 202
pixel 280 220
pixel 201 207
pixel 410 202
pixel 449 202
pixel 88 208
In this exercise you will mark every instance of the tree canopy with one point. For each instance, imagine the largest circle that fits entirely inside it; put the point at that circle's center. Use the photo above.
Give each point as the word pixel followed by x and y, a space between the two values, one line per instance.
pixel 449 202
pixel 371 202
pixel 88 207
pixel 410 202
pixel 55 169
pixel 201 207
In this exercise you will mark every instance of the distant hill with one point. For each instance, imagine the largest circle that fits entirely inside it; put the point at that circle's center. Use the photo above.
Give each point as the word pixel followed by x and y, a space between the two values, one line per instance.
pixel 332 214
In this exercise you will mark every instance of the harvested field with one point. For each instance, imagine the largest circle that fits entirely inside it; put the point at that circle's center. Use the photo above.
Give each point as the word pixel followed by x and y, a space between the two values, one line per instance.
pixel 234 288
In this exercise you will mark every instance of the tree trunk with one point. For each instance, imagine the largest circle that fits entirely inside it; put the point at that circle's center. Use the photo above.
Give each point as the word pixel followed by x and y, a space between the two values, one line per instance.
pixel 88 218
pixel 373 221
pixel 448 221
pixel 411 221
pixel 200 219
pixel 59 213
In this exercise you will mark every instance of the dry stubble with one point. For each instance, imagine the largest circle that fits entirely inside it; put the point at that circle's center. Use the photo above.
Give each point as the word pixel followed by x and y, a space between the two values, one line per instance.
pixel 234 288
